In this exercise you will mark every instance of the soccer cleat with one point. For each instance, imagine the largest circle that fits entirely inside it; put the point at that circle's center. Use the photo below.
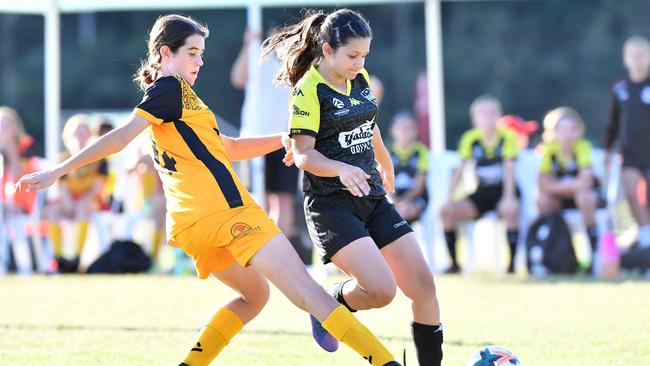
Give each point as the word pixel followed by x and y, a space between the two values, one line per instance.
pixel 324 339
pixel 454 269
pixel 393 363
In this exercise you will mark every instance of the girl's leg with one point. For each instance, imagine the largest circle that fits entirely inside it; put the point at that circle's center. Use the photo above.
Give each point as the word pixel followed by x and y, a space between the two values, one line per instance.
pixel 373 285
pixel 279 262
pixel 509 210
pixel 416 282
pixel 229 319
pixel 451 213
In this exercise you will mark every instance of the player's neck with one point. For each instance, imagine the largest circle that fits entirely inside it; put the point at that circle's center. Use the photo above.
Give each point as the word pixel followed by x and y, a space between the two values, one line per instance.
pixel 637 77
pixel 566 150
pixel 333 79
pixel 489 134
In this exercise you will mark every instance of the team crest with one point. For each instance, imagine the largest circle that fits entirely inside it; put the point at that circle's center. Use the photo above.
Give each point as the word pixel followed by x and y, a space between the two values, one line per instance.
pixel 366 93
pixel 242 229
pixel 645 95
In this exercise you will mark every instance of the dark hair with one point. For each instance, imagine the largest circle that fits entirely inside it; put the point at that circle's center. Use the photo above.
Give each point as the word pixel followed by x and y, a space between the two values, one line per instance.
pixel 171 31
pixel 300 44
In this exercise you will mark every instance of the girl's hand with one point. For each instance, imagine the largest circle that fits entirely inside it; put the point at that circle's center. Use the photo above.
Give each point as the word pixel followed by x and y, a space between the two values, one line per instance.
pixel 387 178
pixel 288 147
pixel 355 180
pixel 37 180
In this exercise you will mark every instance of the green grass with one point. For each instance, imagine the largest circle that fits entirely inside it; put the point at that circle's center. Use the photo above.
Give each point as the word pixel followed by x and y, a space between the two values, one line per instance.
pixel 152 320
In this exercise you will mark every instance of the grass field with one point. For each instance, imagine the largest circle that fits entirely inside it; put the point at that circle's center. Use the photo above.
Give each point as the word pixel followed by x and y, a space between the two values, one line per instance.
pixel 152 320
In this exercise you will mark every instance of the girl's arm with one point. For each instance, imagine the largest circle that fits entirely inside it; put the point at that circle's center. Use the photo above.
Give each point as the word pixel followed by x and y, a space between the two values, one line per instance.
pixel 509 178
pixel 382 157
pixel 564 188
pixel 108 144
pixel 310 160
pixel 251 147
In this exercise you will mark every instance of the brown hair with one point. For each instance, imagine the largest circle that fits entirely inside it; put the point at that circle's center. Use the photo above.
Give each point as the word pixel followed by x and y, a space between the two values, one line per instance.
pixel 171 31
pixel 300 44
pixel 553 118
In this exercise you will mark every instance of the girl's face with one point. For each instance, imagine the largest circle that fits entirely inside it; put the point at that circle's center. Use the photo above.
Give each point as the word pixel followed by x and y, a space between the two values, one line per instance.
pixel 348 60
pixel 187 60
pixel 637 58
pixel 486 115
pixel 404 131
pixel 8 131
pixel 567 132
pixel 81 135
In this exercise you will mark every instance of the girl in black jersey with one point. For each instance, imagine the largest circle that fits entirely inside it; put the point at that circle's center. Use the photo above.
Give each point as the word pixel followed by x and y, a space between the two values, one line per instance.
pixel 629 128
pixel 347 171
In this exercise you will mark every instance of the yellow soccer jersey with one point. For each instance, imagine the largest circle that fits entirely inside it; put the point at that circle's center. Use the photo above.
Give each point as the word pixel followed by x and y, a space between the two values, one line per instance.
pixel 553 163
pixel 197 176
pixel 489 158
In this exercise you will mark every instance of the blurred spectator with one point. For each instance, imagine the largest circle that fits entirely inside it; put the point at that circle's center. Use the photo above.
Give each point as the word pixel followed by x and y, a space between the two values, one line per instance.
pixel 281 181
pixel 78 192
pixel 566 180
pixel 18 159
pixel 493 152
pixel 522 129
pixel 629 127
pixel 421 107
pixel 377 88
pixel 411 161
pixel 106 200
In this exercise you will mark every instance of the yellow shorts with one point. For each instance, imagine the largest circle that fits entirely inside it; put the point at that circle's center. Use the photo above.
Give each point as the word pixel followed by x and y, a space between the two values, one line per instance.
pixel 219 240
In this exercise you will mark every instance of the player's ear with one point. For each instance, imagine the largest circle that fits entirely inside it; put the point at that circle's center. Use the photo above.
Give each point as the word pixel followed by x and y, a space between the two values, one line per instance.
pixel 165 52
pixel 327 49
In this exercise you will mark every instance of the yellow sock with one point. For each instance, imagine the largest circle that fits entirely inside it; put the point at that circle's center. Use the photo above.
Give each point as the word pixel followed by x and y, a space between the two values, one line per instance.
pixel 57 241
pixel 157 241
pixel 214 337
pixel 346 328
pixel 82 232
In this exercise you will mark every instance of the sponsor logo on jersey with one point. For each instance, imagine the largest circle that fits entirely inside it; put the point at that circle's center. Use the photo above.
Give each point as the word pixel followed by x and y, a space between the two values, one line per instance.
pixel 338 103
pixel 366 93
pixel 359 135
pixel 342 112
pixel 645 95
pixel 354 102
pixel 299 112
pixel 298 92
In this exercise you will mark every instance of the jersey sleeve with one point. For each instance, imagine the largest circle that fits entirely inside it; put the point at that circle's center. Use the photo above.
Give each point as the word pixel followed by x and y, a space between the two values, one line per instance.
pixel 583 154
pixel 510 150
pixel 465 146
pixel 546 166
pixel 304 110
pixel 162 102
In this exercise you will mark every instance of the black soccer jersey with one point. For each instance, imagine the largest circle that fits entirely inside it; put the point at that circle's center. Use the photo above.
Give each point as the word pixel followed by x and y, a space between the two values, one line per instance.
pixel 629 120
pixel 342 124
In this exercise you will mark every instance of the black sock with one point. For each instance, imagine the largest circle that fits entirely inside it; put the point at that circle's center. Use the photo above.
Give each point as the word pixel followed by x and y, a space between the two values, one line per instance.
pixel 337 293
pixel 513 237
pixel 428 343
pixel 450 238
pixel 593 238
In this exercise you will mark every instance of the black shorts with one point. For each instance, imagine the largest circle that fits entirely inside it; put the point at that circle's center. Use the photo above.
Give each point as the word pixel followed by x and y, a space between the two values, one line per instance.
pixel 278 177
pixel 335 220
pixel 486 198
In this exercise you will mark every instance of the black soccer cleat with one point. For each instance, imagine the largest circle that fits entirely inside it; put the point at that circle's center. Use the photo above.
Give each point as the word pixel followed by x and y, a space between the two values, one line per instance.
pixel 393 363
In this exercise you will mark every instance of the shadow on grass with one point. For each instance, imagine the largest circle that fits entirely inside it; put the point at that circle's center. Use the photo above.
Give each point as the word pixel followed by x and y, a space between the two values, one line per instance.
pixel 80 328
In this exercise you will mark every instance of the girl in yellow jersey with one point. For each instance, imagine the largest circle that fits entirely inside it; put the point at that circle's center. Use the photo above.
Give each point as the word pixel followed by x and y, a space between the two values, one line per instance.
pixel 566 180
pixel 210 214
pixel 348 171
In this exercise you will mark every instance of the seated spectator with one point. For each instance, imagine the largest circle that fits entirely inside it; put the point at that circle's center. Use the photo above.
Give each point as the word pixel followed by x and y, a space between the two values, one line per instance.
pixel 410 159
pixel 78 192
pixel 566 180
pixel 494 152
pixel 17 159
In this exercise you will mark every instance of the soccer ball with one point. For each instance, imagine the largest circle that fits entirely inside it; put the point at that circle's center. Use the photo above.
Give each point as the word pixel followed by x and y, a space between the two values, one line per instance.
pixel 493 356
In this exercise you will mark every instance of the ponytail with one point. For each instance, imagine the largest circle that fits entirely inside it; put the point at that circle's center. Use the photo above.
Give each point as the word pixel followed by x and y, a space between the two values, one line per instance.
pixel 299 44
pixel 147 73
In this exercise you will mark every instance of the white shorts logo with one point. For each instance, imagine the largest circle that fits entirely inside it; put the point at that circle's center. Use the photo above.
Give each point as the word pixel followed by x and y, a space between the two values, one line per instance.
pixel 337 103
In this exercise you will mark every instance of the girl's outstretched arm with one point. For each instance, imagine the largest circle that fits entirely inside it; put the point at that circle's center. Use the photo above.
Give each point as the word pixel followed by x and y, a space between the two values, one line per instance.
pixel 108 144
pixel 251 147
